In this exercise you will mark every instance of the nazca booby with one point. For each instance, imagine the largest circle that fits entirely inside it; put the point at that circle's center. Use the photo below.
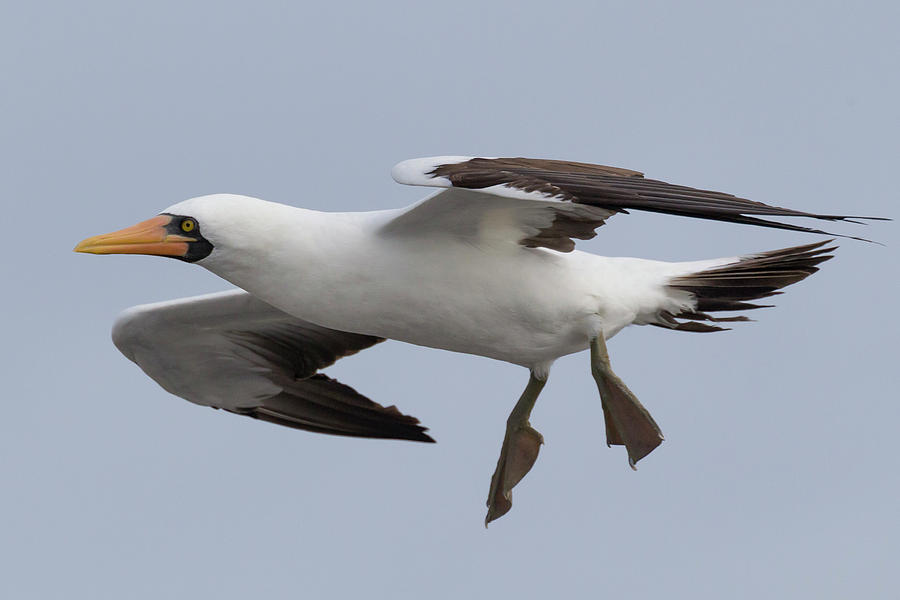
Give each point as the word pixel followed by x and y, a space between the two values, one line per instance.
pixel 485 266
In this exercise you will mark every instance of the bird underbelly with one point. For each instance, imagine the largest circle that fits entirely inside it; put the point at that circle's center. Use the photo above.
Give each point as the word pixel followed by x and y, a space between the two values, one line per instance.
pixel 522 307
pixel 497 336
pixel 516 321
pixel 506 339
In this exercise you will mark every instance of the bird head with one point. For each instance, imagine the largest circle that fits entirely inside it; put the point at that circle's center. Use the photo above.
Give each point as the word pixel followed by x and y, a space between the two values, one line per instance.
pixel 188 231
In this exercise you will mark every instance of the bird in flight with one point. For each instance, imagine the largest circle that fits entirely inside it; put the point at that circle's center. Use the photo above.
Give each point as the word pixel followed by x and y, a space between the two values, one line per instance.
pixel 486 265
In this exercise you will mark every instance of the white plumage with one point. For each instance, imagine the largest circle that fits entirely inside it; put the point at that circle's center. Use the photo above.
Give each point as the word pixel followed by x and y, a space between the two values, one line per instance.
pixel 465 286
pixel 484 266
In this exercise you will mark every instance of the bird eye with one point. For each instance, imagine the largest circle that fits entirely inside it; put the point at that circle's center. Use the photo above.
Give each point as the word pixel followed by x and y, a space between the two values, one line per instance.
pixel 188 225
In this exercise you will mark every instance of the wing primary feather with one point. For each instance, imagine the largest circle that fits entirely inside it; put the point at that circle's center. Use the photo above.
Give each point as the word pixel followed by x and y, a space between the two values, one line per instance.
pixel 323 405
pixel 235 352
pixel 618 190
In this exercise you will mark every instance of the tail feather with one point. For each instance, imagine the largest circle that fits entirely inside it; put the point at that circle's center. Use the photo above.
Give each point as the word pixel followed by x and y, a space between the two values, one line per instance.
pixel 729 287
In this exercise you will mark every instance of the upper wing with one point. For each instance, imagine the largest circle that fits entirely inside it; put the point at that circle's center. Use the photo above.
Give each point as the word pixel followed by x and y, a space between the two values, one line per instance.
pixel 233 351
pixel 549 202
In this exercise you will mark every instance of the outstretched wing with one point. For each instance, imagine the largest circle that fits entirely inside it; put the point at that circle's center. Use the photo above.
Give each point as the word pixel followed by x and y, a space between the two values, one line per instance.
pixel 235 352
pixel 549 202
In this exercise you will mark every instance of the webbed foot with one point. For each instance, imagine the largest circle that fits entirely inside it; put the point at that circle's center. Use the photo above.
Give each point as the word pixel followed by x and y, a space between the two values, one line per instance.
pixel 520 449
pixel 628 423
pixel 518 455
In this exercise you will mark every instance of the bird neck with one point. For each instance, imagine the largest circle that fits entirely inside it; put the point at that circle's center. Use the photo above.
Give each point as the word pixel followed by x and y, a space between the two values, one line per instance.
pixel 281 244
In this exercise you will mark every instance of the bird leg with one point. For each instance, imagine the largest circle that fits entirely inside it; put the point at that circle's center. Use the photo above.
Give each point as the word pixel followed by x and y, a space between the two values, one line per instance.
pixel 628 423
pixel 518 453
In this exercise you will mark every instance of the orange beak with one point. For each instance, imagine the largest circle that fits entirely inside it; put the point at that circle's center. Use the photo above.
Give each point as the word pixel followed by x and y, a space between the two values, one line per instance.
pixel 148 237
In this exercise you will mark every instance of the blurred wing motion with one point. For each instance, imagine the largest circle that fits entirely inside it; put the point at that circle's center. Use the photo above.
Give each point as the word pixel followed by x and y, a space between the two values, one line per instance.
pixel 235 352
pixel 549 203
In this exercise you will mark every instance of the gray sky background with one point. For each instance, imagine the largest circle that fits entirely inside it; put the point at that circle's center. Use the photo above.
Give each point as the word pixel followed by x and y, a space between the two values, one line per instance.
pixel 779 475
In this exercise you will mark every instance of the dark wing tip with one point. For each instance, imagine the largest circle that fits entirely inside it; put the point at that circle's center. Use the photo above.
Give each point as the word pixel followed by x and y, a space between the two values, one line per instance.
pixel 324 405
pixel 619 189
pixel 422 437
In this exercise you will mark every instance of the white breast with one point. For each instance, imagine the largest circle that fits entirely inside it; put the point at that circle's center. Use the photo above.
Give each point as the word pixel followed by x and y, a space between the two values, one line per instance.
pixel 483 297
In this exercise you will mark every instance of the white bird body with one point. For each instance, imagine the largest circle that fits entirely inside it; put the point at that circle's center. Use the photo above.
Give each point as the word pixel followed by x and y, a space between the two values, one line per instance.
pixel 487 295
